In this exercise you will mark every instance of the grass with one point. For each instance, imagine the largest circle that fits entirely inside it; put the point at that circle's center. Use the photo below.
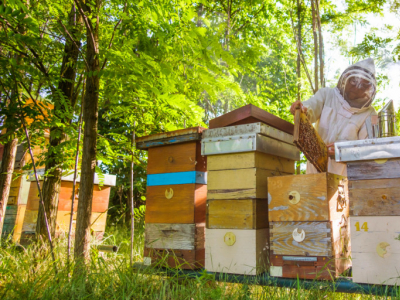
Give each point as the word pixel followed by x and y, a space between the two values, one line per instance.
pixel 29 274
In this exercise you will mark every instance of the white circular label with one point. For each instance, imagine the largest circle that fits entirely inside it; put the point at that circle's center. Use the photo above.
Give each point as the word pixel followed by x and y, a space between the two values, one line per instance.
pixel 298 236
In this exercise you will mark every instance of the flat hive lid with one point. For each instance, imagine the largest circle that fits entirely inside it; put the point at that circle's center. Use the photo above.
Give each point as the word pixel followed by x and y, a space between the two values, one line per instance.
pixel 171 137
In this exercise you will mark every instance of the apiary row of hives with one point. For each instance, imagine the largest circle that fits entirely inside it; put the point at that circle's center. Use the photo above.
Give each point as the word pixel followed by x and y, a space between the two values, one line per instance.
pixel 23 203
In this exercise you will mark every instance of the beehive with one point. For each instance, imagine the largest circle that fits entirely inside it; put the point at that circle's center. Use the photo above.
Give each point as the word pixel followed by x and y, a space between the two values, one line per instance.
pixel 373 168
pixel 176 198
pixel 239 161
pixel 309 233
pixel 101 196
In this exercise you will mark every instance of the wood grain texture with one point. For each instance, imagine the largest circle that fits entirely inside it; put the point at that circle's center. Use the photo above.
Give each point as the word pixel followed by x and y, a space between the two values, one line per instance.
pixel 24 191
pixel 187 205
pixel 174 236
pixel 237 214
pixel 249 160
pixel 166 138
pixel 249 183
pixel 248 255
pixel 307 139
pixel 375 197
pixel 176 158
pixel 182 259
pixel 361 170
pixel 376 252
pixel 317 240
pixel 325 268
pixel 251 114
pixel 97 221
pixel 318 197
pixel 29 225
pixel 19 223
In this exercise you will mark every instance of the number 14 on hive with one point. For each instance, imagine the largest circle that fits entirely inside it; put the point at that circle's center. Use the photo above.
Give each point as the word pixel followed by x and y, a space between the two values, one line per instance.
pixel 363 227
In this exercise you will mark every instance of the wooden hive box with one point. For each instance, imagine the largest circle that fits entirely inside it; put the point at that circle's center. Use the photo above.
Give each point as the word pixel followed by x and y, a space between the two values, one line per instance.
pixel 101 196
pixel 16 206
pixel 376 249
pixel 328 242
pixel 176 198
pixel 311 197
pixel 237 251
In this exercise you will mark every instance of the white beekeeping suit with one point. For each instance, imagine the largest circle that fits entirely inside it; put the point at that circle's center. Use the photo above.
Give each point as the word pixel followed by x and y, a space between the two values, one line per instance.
pixel 338 115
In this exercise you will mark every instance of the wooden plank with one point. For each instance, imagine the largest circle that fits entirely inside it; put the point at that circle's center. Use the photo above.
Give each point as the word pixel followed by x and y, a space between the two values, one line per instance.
pixel 316 238
pixel 239 184
pixel 101 198
pixel 174 236
pixel 19 223
pixel 371 169
pixel 182 259
pixel 176 203
pixel 169 138
pixel 176 158
pixel 30 219
pixel 33 197
pixel 97 220
pixel 249 160
pixel 376 197
pixel 24 191
pixel 311 197
pixel 251 114
pixel 375 249
pixel 307 139
pixel 237 214
pixel 64 197
pixel 177 178
pixel 245 251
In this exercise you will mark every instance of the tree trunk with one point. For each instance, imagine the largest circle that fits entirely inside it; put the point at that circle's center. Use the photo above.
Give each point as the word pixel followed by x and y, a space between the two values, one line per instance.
pixel 52 183
pixel 314 27
pixel 6 172
pixel 321 46
pixel 90 118
pixel 298 67
pixel 226 41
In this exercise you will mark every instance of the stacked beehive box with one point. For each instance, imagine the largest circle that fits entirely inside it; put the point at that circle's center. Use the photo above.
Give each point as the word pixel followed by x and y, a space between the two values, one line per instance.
pixel 373 169
pixel 101 196
pixel 176 198
pixel 309 231
pixel 239 161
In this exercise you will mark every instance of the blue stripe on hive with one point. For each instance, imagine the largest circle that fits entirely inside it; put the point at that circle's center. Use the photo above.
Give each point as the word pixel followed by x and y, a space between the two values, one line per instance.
pixel 177 178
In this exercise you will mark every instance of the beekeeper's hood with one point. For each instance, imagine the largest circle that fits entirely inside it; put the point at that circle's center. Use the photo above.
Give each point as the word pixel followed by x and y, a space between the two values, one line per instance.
pixel 359 78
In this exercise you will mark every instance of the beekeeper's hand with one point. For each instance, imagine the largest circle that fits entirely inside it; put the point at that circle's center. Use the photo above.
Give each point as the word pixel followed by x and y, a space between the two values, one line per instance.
pixel 331 150
pixel 297 104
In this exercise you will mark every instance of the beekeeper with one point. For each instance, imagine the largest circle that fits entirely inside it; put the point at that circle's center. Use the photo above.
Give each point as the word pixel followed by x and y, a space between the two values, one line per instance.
pixel 339 113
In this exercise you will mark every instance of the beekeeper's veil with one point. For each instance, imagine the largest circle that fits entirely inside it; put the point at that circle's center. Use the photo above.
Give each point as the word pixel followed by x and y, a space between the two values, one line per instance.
pixel 360 77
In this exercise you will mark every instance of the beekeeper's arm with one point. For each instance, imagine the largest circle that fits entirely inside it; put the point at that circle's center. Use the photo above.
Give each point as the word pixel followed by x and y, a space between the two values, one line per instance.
pixel 315 105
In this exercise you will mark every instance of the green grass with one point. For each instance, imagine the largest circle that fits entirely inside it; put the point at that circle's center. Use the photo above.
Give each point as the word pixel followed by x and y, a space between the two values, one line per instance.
pixel 29 274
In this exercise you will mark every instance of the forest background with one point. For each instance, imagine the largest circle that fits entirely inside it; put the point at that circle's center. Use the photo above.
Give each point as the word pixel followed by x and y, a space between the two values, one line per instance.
pixel 132 68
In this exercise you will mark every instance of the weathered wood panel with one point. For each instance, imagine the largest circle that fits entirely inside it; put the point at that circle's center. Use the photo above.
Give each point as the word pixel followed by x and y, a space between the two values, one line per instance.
pixel 24 191
pixel 311 197
pixel 251 114
pixel 97 220
pixel 184 204
pixel 374 169
pixel 19 223
pixel 174 236
pixel 167 138
pixel 376 197
pixel 237 214
pixel 249 160
pixel 176 158
pixel 237 251
pixel 239 184
pixel 301 238
pixel 375 249
pixel 307 139
pixel 182 259
pixel 30 219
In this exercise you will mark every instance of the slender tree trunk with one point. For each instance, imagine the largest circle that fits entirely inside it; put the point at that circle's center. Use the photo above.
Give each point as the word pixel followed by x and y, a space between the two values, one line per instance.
pixel 66 99
pixel 298 67
pixel 314 27
pixel 227 33
pixel 90 118
pixel 6 172
pixel 321 45
pixel 132 206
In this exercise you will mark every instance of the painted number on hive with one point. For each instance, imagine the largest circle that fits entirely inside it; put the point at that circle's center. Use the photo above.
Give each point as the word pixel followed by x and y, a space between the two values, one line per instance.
pixel 364 226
